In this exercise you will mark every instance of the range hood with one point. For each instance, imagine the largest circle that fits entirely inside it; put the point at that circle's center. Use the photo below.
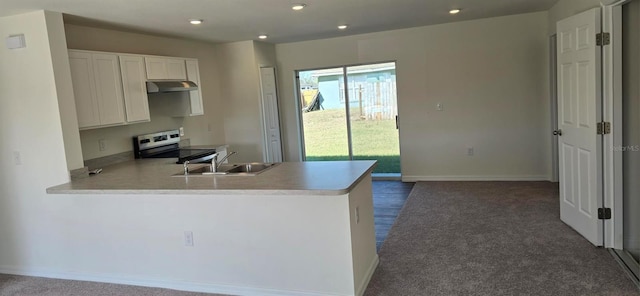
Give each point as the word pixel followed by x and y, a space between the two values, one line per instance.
pixel 162 86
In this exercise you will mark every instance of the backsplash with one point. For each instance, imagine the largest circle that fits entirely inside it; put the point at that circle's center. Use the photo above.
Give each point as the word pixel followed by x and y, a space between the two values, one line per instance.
pixel 118 139
pixel 101 162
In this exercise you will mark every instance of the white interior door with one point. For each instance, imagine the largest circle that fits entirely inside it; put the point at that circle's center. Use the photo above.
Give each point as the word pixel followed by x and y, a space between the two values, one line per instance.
pixel 580 108
pixel 271 120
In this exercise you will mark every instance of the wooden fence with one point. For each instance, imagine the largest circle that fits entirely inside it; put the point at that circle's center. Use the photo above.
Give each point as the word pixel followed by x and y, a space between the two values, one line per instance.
pixel 372 100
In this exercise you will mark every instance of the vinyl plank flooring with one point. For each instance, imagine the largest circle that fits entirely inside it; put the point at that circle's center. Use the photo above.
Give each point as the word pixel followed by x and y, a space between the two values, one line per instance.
pixel 388 200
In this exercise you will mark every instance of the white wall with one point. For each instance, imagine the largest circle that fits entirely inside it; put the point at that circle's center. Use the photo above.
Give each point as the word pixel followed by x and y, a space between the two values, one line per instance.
pixel 567 8
pixel 31 125
pixel 64 89
pixel 265 54
pixel 201 130
pixel 240 80
pixel 491 75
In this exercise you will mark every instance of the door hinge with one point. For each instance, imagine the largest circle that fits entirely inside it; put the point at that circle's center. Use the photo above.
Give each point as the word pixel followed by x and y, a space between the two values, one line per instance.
pixel 603 39
pixel 604 213
pixel 603 128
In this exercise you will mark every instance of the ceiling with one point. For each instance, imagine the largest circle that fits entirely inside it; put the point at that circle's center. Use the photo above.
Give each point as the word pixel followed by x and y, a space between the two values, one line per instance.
pixel 237 20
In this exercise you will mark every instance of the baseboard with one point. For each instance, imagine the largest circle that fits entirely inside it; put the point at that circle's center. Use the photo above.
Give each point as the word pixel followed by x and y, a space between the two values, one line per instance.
pixel 372 268
pixel 160 283
pixel 406 178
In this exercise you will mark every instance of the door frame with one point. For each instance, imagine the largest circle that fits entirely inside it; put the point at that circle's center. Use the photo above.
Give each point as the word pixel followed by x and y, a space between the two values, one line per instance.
pixel 553 95
pixel 612 92
pixel 612 112
pixel 264 106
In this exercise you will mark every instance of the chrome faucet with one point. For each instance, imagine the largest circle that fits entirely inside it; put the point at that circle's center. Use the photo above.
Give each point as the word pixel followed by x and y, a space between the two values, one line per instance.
pixel 186 167
pixel 215 164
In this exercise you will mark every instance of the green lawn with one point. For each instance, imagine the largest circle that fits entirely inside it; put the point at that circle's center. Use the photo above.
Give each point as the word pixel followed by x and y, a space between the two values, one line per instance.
pixel 326 139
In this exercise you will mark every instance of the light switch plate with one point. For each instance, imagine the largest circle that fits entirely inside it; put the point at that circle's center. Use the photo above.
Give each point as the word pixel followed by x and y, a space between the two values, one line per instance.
pixel 182 131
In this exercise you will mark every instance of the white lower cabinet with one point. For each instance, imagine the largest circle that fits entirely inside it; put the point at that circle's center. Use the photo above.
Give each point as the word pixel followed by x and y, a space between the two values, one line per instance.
pixel 103 98
pixel 222 153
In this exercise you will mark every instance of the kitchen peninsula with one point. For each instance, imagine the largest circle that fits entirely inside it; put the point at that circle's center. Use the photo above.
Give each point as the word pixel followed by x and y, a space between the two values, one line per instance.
pixel 301 228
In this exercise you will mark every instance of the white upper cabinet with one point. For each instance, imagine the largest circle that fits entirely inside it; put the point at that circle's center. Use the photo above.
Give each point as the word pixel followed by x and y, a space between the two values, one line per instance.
pixel 161 68
pixel 97 88
pixel 176 69
pixel 109 89
pixel 156 68
pixel 195 96
pixel 134 87
pixel 84 89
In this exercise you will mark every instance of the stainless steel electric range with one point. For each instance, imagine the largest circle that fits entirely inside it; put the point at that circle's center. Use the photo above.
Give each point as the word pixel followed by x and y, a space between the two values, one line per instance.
pixel 166 145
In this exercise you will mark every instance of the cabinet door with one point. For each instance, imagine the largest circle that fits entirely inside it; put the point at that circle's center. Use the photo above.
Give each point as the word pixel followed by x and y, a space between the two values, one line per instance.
pixel 134 88
pixel 195 96
pixel 108 88
pixel 176 69
pixel 156 68
pixel 84 89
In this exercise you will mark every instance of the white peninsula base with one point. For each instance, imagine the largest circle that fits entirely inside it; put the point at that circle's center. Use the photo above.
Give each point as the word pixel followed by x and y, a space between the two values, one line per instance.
pixel 243 244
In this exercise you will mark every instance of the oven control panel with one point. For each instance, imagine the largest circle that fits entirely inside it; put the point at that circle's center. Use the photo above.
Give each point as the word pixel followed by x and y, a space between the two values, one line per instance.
pixel 157 139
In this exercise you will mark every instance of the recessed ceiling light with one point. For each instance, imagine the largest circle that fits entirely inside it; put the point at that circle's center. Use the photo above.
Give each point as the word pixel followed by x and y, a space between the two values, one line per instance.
pixel 454 11
pixel 263 36
pixel 342 27
pixel 298 6
pixel 195 21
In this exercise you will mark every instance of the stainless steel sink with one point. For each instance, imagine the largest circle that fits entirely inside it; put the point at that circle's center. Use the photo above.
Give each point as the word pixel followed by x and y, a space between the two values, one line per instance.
pixel 240 169
pixel 249 168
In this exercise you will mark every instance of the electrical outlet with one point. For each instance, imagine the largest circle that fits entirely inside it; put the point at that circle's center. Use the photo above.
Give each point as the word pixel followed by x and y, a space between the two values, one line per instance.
pixel 102 145
pixel 182 131
pixel 188 238
pixel 470 151
pixel 17 160
pixel 439 107
pixel 357 215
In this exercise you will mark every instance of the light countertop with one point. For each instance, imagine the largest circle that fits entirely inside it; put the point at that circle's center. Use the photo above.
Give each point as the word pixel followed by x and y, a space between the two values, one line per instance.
pixel 155 176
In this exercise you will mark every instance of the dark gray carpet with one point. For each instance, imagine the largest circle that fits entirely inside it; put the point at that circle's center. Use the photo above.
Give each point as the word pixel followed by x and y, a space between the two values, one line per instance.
pixel 13 285
pixel 451 238
pixel 491 238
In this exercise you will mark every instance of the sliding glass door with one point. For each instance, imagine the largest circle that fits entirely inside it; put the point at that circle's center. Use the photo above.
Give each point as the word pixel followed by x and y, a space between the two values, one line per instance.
pixel 373 109
pixel 350 113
